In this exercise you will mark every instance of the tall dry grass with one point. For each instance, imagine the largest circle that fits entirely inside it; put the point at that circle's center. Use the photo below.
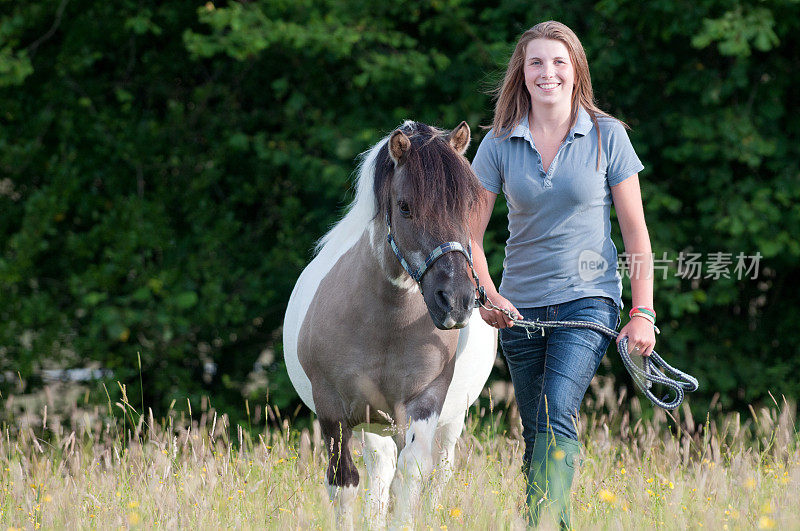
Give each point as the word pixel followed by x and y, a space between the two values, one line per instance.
pixel 112 467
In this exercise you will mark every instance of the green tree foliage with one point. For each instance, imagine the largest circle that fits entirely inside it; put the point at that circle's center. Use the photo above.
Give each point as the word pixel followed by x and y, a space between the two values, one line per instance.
pixel 165 169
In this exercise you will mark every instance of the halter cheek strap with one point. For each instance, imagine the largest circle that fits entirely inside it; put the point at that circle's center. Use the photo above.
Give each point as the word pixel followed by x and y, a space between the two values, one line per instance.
pixel 438 252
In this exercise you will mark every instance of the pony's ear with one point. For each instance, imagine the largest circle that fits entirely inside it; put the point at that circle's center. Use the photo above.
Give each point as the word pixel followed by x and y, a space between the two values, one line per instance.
pixel 399 144
pixel 459 138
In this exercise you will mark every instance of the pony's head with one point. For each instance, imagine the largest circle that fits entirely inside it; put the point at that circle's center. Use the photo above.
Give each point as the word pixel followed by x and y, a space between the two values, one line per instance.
pixel 426 190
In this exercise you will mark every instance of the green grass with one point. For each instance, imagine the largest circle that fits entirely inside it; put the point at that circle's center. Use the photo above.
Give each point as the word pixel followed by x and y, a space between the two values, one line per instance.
pixel 86 468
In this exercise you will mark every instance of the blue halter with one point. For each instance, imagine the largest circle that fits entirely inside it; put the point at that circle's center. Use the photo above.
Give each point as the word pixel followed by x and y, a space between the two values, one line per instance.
pixel 437 253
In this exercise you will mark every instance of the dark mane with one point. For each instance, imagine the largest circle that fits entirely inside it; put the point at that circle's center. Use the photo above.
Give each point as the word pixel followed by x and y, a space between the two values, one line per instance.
pixel 443 187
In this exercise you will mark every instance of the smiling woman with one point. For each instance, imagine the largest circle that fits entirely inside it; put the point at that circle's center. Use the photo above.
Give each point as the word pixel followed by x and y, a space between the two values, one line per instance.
pixel 561 163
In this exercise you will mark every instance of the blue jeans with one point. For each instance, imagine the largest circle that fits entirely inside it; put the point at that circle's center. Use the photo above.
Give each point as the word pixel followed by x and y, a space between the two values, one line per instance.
pixel 551 373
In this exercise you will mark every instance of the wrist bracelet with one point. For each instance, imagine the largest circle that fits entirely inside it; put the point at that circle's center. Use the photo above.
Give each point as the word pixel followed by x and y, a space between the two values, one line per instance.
pixel 643 316
pixel 642 309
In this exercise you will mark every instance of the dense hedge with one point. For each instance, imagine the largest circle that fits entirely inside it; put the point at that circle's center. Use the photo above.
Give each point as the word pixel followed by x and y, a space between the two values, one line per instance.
pixel 165 168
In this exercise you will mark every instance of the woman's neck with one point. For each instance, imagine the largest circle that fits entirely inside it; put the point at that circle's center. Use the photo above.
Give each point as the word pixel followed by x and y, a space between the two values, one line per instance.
pixel 550 120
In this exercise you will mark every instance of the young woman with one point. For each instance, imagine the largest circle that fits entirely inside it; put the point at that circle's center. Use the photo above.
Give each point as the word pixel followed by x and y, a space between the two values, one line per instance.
pixel 561 162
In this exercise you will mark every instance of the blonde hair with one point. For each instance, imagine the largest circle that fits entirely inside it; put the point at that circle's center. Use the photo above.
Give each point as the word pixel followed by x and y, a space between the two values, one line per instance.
pixel 514 100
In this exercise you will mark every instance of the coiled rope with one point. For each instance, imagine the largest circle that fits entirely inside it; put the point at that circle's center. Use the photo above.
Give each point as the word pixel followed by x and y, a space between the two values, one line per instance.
pixel 654 370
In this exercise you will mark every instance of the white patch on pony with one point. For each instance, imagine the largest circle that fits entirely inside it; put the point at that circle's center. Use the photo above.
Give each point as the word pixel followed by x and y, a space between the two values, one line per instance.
pixel 475 355
pixel 405 282
pixel 414 465
pixel 444 456
pixel 343 499
pixel 380 460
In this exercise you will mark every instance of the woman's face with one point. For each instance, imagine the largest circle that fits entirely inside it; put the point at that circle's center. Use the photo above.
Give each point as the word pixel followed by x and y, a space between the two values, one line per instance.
pixel 549 73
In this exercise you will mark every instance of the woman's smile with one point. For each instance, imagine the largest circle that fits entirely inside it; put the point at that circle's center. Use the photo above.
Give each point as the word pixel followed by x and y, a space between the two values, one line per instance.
pixel 548 87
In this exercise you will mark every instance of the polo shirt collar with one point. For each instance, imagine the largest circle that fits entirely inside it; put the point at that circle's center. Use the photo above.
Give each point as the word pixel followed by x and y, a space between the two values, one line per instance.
pixel 583 124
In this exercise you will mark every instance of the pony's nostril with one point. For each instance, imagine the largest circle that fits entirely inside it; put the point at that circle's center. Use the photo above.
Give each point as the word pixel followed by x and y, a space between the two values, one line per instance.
pixel 444 300
pixel 467 300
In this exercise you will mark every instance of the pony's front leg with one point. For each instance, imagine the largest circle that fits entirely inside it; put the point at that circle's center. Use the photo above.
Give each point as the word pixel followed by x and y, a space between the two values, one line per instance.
pixel 341 478
pixel 444 456
pixel 414 466
pixel 380 460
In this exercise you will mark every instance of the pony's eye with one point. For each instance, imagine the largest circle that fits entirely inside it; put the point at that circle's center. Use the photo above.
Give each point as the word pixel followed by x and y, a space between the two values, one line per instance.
pixel 405 210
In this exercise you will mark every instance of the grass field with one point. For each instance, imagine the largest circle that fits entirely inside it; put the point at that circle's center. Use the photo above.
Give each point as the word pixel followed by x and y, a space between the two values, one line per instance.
pixel 110 467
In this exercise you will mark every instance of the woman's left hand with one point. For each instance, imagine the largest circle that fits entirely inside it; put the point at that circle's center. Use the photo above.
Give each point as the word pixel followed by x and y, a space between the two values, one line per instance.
pixel 641 336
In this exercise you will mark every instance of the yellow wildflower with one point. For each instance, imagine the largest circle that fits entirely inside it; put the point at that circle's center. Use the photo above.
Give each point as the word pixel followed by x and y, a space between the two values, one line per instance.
pixel 607 496
pixel 765 522
pixel 455 512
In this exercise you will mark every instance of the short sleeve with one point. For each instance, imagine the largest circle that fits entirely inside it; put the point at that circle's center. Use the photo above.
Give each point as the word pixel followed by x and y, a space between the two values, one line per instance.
pixel 486 164
pixel 622 159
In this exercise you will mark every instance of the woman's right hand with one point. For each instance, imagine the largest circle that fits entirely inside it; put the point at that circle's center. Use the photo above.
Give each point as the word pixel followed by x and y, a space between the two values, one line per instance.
pixel 496 318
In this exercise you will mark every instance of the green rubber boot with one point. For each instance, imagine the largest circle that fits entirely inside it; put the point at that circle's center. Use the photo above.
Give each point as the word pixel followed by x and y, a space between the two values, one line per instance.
pixel 550 479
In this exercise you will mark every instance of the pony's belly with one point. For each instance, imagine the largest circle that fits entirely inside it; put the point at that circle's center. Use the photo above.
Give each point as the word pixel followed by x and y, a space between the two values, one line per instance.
pixel 475 355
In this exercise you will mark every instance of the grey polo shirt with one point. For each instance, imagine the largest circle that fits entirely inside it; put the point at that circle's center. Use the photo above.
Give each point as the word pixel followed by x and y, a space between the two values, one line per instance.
pixel 559 246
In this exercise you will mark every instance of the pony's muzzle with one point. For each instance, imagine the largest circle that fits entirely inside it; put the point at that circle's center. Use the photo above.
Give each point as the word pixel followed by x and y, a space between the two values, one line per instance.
pixel 452 303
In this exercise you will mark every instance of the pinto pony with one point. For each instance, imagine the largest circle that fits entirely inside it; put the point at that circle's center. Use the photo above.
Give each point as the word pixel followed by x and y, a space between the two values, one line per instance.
pixel 381 327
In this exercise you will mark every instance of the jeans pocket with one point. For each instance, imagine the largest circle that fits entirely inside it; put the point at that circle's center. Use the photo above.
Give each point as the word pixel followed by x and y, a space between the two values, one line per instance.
pixel 605 300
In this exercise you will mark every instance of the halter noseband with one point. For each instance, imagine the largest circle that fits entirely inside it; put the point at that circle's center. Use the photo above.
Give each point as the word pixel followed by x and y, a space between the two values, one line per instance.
pixel 438 252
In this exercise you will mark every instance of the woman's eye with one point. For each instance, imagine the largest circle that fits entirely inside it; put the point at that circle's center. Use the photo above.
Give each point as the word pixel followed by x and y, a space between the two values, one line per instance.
pixel 405 210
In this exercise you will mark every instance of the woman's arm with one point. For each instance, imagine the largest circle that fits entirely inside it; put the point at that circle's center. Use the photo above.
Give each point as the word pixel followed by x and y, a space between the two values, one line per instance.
pixel 479 221
pixel 627 197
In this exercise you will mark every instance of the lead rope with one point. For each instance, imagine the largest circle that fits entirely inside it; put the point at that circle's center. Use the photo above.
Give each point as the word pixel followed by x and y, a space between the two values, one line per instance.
pixel 655 369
